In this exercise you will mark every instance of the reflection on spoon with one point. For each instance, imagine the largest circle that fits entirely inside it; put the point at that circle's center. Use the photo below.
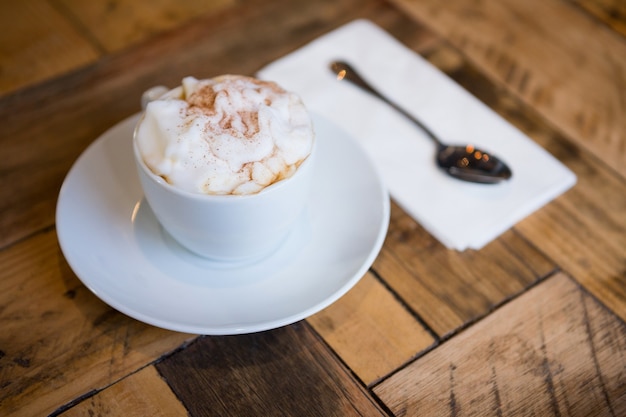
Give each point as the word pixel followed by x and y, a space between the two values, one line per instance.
pixel 463 162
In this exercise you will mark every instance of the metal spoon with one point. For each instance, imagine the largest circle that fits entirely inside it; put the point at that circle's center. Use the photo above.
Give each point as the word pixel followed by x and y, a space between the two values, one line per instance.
pixel 463 162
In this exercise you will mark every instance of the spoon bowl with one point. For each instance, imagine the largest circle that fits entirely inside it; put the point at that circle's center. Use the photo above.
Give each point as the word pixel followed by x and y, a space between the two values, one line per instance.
pixel 463 162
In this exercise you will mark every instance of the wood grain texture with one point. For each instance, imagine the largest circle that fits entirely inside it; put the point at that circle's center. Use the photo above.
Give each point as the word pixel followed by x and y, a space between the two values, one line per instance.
pixel 371 332
pixel 58 341
pixel 450 289
pixel 116 25
pixel 552 55
pixel 46 128
pixel 552 351
pixel 141 394
pixel 611 12
pixel 584 230
pixel 283 372
pixel 45 47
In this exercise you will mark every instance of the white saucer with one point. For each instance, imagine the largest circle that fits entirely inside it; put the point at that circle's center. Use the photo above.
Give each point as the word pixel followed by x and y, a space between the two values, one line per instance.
pixel 115 245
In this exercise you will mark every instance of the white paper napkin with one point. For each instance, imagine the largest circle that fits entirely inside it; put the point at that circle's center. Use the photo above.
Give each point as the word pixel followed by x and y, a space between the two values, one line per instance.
pixel 459 214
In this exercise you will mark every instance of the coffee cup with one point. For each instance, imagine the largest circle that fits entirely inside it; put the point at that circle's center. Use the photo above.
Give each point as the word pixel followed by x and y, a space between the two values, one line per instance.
pixel 250 214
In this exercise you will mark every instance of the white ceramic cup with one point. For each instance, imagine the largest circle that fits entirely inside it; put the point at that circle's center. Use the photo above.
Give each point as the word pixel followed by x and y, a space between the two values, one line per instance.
pixel 229 228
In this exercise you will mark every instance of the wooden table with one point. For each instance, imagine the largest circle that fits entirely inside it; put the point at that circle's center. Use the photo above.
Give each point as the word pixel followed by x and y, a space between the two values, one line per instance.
pixel 532 324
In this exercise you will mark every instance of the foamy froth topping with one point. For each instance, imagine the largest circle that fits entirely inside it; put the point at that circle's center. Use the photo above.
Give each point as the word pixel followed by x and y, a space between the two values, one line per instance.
pixel 226 135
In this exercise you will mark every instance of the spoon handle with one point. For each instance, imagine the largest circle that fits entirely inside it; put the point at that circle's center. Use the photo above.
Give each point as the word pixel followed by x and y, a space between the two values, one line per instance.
pixel 345 71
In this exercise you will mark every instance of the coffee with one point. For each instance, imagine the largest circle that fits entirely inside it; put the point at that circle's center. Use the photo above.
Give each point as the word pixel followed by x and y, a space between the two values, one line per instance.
pixel 226 135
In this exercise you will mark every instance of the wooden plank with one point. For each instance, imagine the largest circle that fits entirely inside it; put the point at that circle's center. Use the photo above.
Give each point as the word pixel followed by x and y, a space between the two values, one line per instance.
pixel 553 56
pixel 37 43
pixel 141 394
pixel 371 331
pixel 58 341
pixel 584 230
pixel 116 25
pixel 287 372
pixel 552 351
pixel 450 289
pixel 611 12
pixel 45 128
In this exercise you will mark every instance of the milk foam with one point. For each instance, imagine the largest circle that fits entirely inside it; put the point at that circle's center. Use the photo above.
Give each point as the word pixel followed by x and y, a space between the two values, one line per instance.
pixel 227 135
